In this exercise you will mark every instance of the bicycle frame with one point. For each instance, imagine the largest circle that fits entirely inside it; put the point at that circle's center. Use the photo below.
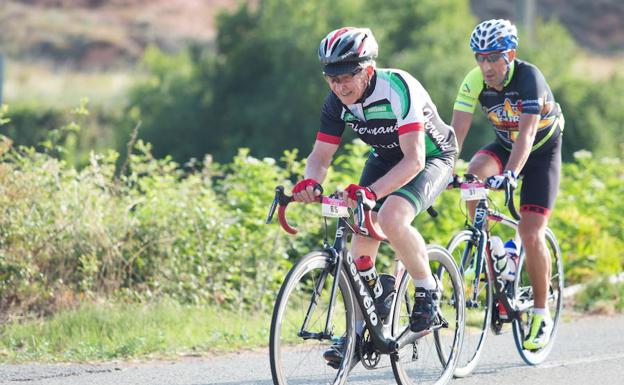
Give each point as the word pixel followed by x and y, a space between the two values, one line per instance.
pixel 342 259
pixel 481 237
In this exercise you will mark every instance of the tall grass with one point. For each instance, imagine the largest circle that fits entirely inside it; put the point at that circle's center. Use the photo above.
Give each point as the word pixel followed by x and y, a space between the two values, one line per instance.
pixel 60 87
pixel 104 331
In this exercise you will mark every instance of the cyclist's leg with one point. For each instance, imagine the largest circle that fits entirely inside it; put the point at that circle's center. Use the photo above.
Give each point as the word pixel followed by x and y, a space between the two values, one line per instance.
pixel 401 207
pixel 537 198
pixel 486 162
pixel 395 218
pixel 532 230
pixel 489 160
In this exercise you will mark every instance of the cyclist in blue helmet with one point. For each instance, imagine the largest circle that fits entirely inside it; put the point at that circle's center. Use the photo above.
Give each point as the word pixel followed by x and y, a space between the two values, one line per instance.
pixel 528 124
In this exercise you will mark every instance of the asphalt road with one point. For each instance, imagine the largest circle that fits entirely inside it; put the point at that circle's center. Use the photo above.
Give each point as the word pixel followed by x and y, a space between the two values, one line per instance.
pixel 589 351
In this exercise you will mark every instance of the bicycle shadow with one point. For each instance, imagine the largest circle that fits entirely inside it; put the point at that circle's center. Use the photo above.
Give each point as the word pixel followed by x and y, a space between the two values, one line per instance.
pixel 494 368
pixel 355 377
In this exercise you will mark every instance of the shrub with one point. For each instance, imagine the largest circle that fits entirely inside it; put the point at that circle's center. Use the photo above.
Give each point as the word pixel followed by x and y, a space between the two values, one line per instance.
pixel 195 233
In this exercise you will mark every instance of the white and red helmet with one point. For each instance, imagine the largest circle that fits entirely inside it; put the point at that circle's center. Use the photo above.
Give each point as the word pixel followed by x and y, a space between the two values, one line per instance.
pixel 341 50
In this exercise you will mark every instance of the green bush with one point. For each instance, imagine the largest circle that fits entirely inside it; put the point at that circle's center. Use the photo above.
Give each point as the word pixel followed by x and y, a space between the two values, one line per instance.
pixel 602 296
pixel 589 217
pixel 262 78
pixel 195 233
pixel 33 125
pixel 196 236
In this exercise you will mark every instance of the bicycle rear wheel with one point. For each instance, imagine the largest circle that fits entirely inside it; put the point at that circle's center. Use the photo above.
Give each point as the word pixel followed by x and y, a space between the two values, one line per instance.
pixel 432 358
pixel 306 292
pixel 478 302
pixel 524 294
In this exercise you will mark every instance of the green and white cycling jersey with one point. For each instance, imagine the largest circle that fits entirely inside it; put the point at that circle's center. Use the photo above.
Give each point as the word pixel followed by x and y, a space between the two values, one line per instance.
pixel 394 103
pixel 525 92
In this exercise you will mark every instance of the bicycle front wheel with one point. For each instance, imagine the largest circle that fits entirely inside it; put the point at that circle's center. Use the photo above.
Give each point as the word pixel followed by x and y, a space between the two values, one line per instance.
pixel 432 358
pixel 524 294
pixel 478 295
pixel 300 315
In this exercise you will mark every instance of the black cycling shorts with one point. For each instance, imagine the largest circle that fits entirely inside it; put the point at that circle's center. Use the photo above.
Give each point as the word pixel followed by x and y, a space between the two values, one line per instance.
pixel 541 173
pixel 421 191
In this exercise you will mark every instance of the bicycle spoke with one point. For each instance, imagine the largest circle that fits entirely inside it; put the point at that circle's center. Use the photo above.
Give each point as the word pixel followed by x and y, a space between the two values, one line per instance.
pixel 294 359
pixel 478 307
pixel 521 326
pixel 431 359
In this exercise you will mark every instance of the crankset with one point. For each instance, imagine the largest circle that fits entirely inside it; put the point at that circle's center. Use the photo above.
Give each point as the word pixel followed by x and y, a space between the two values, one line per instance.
pixel 369 356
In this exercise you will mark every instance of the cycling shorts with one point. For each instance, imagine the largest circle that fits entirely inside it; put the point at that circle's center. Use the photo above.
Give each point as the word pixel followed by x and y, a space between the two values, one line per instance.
pixel 422 190
pixel 541 173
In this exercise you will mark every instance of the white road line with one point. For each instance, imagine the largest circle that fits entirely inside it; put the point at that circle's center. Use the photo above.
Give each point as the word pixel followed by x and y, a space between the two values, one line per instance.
pixel 578 361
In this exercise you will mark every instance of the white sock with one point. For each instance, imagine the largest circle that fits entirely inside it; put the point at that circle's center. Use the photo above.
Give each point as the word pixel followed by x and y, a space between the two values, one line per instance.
pixel 428 283
pixel 541 311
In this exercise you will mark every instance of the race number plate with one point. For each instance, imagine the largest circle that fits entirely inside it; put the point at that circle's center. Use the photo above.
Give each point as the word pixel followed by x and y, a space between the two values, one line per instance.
pixel 473 191
pixel 334 208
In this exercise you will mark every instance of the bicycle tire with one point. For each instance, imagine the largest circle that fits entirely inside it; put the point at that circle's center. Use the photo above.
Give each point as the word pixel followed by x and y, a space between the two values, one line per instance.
pixel 478 319
pixel 440 348
pixel 522 287
pixel 294 359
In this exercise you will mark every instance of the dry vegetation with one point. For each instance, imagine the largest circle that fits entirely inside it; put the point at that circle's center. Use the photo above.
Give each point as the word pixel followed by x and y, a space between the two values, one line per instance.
pixel 102 34
pixel 105 34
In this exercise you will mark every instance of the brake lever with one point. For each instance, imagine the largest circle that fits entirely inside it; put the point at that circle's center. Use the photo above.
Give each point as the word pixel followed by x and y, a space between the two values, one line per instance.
pixel 274 204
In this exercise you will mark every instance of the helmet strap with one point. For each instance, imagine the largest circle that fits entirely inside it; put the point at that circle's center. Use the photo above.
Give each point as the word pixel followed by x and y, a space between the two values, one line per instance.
pixel 508 59
pixel 370 72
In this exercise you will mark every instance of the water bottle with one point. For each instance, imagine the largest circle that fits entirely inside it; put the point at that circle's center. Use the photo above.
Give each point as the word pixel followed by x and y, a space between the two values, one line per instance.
pixel 366 269
pixel 512 260
pixel 499 255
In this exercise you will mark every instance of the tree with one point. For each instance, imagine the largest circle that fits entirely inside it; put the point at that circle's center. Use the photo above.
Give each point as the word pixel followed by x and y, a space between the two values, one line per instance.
pixel 261 87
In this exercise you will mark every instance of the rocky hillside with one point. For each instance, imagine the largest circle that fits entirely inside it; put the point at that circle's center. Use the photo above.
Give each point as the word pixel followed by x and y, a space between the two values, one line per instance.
pixel 102 34
pixel 105 34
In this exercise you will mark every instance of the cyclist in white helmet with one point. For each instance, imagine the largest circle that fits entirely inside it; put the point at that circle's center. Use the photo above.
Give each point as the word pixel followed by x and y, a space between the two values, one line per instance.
pixel 528 124
pixel 412 156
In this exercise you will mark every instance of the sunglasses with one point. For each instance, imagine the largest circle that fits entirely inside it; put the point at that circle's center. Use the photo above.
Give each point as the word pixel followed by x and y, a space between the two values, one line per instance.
pixel 490 58
pixel 356 71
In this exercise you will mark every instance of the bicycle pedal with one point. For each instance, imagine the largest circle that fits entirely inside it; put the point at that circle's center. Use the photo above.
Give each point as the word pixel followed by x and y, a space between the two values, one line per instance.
pixel 440 322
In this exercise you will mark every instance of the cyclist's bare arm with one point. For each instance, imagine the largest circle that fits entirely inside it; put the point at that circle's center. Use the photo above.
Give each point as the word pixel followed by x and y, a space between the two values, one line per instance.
pixel 461 124
pixel 527 128
pixel 413 148
pixel 319 160
pixel 317 164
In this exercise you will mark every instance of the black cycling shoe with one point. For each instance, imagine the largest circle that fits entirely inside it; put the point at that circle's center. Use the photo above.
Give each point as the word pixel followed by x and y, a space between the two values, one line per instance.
pixel 335 353
pixel 425 311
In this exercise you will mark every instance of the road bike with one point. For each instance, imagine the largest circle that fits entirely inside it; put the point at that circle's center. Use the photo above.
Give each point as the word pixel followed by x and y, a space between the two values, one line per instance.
pixel 492 301
pixel 316 306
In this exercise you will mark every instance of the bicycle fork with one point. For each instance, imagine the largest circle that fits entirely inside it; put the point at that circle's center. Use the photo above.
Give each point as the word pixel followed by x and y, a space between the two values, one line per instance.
pixel 326 333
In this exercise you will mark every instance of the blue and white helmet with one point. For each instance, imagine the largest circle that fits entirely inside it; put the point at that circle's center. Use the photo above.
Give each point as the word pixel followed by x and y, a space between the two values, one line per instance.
pixel 494 35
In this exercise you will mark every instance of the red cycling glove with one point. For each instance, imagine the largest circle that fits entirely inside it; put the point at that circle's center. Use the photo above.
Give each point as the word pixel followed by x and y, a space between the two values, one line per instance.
pixel 302 185
pixel 351 190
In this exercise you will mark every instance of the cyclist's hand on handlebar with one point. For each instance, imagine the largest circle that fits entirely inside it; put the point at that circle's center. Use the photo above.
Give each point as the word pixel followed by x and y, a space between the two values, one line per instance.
pixel 369 195
pixel 499 182
pixel 307 191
